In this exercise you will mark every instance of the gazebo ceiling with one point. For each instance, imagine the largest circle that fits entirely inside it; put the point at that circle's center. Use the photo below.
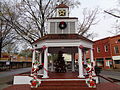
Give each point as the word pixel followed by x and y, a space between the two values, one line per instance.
pixel 68 50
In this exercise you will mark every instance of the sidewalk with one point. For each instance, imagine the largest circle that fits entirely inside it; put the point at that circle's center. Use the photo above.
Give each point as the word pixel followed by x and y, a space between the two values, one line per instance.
pixel 111 75
pixel 14 71
pixel 6 77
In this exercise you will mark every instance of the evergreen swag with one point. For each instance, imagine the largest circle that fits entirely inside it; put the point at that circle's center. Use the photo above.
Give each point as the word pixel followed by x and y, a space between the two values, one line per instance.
pixel 60 63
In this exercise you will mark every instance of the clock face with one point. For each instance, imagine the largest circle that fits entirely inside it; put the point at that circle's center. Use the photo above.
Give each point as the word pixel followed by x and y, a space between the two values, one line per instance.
pixel 62 25
pixel 62 12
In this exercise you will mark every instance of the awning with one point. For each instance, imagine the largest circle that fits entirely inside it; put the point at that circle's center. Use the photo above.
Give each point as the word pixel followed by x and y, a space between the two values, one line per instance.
pixel 116 57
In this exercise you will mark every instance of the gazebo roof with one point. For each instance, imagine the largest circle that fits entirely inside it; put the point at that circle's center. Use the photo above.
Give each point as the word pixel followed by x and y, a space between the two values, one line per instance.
pixel 62 6
pixel 62 36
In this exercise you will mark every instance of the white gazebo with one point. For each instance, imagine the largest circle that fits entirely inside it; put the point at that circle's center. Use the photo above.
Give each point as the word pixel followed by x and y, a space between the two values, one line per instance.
pixel 62 35
pixel 67 43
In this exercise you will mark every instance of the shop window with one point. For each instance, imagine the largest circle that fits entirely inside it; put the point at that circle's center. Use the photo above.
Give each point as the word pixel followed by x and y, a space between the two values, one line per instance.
pixel 117 61
pixel 107 63
pixel 116 49
pixel 106 48
pixel 98 50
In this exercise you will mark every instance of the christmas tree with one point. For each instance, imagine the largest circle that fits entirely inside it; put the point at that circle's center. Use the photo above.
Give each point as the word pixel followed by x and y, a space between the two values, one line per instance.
pixel 60 63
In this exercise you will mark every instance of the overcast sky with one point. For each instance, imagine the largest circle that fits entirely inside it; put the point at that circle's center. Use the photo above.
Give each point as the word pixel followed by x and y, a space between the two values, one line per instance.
pixel 106 21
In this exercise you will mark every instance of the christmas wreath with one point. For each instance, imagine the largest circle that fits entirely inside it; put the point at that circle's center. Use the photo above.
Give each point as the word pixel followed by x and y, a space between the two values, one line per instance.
pixel 91 83
pixel 34 82
pixel 62 25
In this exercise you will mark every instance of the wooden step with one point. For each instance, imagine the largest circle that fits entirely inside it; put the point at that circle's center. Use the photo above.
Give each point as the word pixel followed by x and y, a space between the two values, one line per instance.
pixel 64 83
pixel 64 88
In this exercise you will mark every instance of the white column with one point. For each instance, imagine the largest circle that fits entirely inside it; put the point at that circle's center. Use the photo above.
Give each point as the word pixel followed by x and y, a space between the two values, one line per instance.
pixel 80 63
pixel 92 60
pixel 40 72
pixel 40 56
pixel 85 62
pixel 33 59
pixel 45 75
pixel 84 58
pixel 33 56
pixel 52 64
pixel 73 62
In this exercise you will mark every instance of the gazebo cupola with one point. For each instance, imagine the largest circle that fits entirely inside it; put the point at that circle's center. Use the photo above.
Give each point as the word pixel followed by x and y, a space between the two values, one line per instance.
pixel 62 23
pixel 62 11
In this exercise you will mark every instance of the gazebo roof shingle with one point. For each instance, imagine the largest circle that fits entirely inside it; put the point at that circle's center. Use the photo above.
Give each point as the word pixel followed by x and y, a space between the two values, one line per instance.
pixel 62 36
pixel 62 6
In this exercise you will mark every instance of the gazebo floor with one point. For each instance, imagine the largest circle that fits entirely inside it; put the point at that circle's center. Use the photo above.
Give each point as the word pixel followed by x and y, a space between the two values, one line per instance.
pixel 66 75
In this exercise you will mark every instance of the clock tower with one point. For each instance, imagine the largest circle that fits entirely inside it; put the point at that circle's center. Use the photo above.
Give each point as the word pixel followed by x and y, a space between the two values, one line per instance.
pixel 62 23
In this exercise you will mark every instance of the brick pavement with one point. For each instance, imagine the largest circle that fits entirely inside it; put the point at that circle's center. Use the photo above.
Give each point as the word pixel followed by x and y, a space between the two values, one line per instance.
pixel 101 86
pixel 108 86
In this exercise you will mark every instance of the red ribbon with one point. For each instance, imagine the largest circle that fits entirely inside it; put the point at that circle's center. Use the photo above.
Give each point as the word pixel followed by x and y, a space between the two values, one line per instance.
pixel 44 47
pixel 81 47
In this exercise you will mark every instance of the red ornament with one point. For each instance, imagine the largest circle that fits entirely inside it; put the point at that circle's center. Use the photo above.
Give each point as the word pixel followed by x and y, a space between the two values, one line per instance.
pixel 87 69
pixel 81 47
pixel 34 83
pixel 44 47
pixel 92 83
pixel 82 62
pixel 33 50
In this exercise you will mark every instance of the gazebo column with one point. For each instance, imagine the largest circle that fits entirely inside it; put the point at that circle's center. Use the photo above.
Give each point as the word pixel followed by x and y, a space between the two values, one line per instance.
pixel 92 60
pixel 73 62
pixel 40 72
pixel 85 62
pixel 80 63
pixel 33 57
pixel 40 56
pixel 52 64
pixel 84 57
pixel 45 75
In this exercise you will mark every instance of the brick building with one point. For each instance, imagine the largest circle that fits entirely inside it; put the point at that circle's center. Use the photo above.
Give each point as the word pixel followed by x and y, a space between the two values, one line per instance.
pixel 13 61
pixel 107 52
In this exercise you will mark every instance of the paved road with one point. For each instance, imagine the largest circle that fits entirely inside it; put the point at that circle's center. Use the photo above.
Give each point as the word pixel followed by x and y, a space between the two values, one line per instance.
pixel 13 72
pixel 6 77
pixel 111 74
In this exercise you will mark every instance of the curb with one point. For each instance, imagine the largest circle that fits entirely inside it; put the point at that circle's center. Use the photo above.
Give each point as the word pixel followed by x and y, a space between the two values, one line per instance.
pixel 106 78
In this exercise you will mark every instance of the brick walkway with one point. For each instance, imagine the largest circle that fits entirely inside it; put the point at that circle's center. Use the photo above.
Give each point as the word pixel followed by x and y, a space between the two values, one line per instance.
pixel 108 86
pixel 101 86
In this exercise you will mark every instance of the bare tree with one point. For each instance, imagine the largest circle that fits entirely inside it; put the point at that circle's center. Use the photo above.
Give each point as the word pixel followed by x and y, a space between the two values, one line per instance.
pixel 30 17
pixel 7 35
pixel 110 13
pixel 116 28
pixel 89 19
pixel 115 12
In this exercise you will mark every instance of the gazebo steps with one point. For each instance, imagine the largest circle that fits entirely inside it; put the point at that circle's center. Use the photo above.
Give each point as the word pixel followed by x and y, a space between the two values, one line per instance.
pixel 64 88
pixel 63 85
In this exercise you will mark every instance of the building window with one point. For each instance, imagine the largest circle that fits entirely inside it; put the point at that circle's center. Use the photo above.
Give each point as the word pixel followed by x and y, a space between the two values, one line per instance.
pixel 106 48
pixel 118 40
pixel 117 61
pixel 98 50
pixel 116 49
pixel 107 63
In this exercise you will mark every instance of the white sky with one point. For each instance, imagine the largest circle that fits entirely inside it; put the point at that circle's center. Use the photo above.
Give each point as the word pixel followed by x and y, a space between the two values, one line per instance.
pixel 106 21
